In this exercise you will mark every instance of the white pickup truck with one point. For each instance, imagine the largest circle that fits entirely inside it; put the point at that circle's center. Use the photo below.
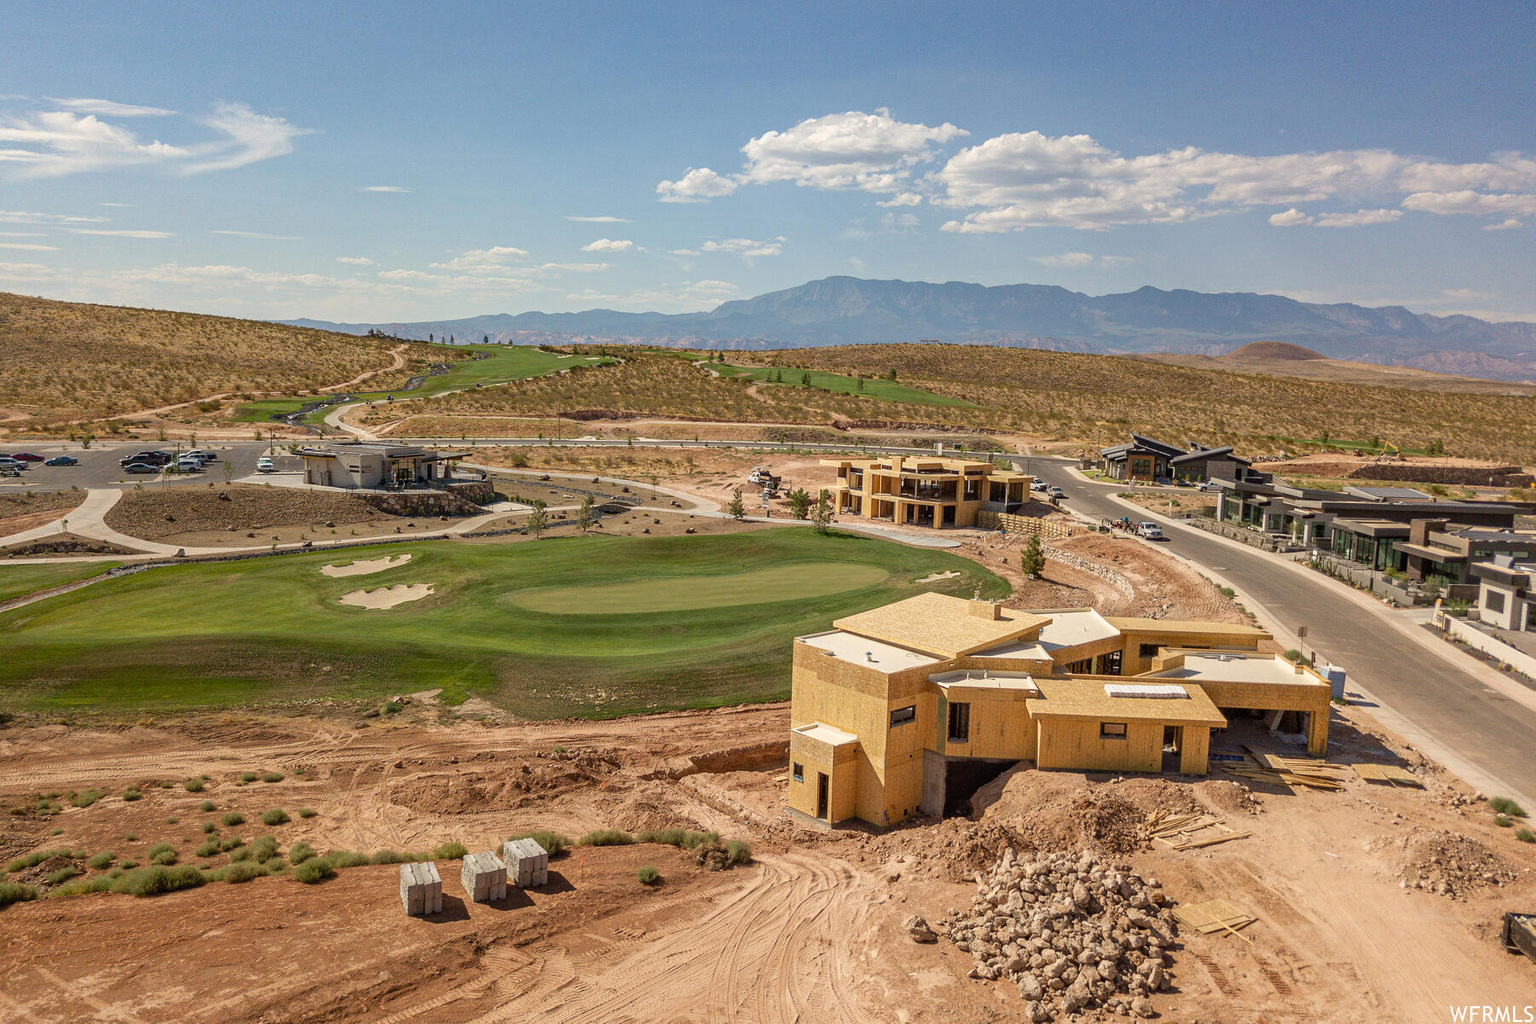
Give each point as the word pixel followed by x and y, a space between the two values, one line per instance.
pixel 1149 530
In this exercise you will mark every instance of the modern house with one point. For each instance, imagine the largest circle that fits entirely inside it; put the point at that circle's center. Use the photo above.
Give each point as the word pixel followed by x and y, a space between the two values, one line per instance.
pixel 1200 464
pixel 1436 550
pixel 378 465
pixel 902 709
pixel 1506 592
pixel 925 491
pixel 1140 458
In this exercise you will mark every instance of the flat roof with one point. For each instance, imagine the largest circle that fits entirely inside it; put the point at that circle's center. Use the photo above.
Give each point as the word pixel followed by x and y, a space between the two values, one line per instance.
pixel 1216 666
pixel 824 733
pixel 943 625
pixel 861 650
pixel 1074 627
pixel 986 679
pixel 1128 625
pixel 1086 699
pixel 1027 650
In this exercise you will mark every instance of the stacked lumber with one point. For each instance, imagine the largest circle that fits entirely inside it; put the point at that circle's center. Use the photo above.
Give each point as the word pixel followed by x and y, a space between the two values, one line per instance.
pixel 1388 773
pixel 1183 831
pixel 1213 916
pixel 1308 772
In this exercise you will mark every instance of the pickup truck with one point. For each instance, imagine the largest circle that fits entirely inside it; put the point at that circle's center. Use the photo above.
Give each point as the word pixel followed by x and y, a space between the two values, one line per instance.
pixel 1149 530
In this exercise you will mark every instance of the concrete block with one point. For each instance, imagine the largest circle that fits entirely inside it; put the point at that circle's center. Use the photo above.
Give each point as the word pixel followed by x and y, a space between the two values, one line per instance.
pixel 421 889
pixel 527 863
pixel 484 877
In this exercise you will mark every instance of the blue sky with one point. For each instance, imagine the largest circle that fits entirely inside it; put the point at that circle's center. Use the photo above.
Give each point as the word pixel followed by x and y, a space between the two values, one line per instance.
pixel 389 161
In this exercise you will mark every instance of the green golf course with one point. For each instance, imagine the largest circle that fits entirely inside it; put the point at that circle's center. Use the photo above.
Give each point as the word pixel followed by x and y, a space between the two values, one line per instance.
pixel 21 580
pixel 582 626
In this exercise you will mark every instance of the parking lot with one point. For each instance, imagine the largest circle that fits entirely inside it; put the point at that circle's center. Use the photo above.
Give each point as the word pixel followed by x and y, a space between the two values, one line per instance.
pixel 99 464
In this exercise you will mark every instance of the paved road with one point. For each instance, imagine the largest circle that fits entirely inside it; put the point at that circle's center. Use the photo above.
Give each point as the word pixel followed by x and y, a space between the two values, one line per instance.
pixel 1452 707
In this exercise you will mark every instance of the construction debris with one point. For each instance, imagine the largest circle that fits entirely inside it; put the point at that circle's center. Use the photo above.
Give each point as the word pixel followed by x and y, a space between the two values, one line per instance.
pixel 1312 773
pixel 421 889
pixel 1182 831
pixel 1071 931
pixel 1213 916
pixel 484 877
pixel 527 863
pixel 1388 773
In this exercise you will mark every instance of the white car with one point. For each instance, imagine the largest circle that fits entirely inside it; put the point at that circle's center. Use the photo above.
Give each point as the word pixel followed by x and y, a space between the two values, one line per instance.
pixel 265 465
pixel 1209 485
pixel 1056 492
pixel 186 464
pixel 1149 530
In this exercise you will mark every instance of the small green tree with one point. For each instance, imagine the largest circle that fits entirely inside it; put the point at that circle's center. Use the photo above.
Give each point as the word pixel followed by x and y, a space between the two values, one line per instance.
pixel 736 507
pixel 891 375
pixel 586 515
pixel 805 380
pixel 538 520
pixel 799 502
pixel 860 385
pixel 1032 561
pixel 821 515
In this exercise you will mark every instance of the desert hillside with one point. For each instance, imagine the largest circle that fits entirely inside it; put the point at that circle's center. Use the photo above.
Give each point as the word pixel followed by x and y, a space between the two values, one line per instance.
pixel 1286 360
pixel 67 361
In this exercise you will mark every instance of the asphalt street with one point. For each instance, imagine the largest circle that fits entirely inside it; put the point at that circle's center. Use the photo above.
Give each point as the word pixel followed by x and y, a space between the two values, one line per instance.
pixel 1489 730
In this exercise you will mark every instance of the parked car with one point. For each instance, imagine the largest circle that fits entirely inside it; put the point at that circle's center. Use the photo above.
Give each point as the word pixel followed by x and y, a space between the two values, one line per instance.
pixel 12 463
pixel 1039 485
pixel 1209 485
pixel 198 453
pixel 26 457
pixel 189 465
pixel 1149 530
pixel 141 467
pixel 62 460
pixel 155 458
pixel 265 465
pixel 9 471
pixel 1056 492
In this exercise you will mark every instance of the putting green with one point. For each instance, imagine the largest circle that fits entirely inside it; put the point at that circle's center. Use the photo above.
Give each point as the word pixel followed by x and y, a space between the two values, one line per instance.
pixel 673 594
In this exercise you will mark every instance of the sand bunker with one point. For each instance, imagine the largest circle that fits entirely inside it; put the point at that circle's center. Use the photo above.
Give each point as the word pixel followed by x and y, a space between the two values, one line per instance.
pixel 363 567
pixel 935 577
pixel 387 597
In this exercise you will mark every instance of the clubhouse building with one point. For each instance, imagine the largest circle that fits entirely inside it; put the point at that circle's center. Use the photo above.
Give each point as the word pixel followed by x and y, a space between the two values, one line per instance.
pixel 893 707
pixel 925 490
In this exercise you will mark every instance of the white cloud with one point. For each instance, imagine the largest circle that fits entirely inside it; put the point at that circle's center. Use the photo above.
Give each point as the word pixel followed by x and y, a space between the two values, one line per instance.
pixel 108 108
pixel 1507 225
pixel 21 234
pixel 1290 218
pixel 257 234
pixel 699 185
pixel 574 268
pixel 356 261
pixel 22 217
pixel 684 252
pixel 29 246
pixel 1066 259
pixel 1469 201
pixel 120 232
pixel 78 135
pixel 873 152
pixel 687 295
pixel 1360 218
pixel 599 220
pixel 902 199
pixel 609 245
pixel 483 261
pixel 1466 294
pixel 740 247
pixel 384 188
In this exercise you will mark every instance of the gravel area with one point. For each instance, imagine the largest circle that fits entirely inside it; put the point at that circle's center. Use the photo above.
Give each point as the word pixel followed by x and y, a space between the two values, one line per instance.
pixel 155 513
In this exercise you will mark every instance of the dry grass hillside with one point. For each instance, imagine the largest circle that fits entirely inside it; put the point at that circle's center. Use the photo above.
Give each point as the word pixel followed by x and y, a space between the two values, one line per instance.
pixel 1284 360
pixel 67 362
pixel 1096 399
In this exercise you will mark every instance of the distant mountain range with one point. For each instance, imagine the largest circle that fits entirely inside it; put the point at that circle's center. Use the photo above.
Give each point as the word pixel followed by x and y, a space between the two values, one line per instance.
pixel 851 311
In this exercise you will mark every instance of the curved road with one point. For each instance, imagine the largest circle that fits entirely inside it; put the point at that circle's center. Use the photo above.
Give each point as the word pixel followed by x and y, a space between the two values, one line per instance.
pixel 1460 716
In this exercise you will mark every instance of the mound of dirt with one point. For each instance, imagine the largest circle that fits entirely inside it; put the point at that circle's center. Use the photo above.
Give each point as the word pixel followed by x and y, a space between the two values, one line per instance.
pixel 165 512
pixel 1449 864
pixel 475 792
pixel 1274 350
pixel 1047 811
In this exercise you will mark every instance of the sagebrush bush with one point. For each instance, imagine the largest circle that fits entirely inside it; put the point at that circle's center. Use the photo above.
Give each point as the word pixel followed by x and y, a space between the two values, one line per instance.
pixel 1503 820
pixel 132 793
pixel 1504 805
pixel 249 776
pixel 101 860
pixel 298 853
pixel 232 819
pixel 237 873
pixel 87 798
pixel 63 874
pixel 231 843
pixel 276 816
pixel 151 881
pixel 240 853
pixel 210 827
pixel 449 851
pixel 1525 835
pixel 392 857
pixel 264 849
pixel 36 857
pixel 207 806
pixel 307 812
pixel 271 776
pixel 15 892
pixel 648 875
pixel 553 843
pixel 193 785
pixel 606 837
pixel 315 870
pixel 207 848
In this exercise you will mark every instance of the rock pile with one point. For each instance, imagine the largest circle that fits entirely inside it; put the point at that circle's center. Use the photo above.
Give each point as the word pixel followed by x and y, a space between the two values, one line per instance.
pixel 1450 865
pixel 1073 932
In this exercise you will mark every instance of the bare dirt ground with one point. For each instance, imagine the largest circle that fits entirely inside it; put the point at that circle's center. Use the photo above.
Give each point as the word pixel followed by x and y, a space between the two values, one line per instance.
pixel 811 931
pixel 21 512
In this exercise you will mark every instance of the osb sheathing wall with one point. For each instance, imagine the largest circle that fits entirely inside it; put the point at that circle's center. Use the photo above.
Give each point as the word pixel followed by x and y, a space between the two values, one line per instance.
pixel 839 764
pixel 1000 728
pixel 1133 664
pixel 1075 744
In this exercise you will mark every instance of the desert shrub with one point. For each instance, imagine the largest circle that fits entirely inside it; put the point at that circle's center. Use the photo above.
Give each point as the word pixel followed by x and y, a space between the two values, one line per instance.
pixel 307 812
pixel 131 837
pixel 231 843
pixel 101 883
pixel 449 851
pixel 63 874
pixel 392 857
pixel 276 816
pixel 240 853
pixel 345 859
pixel 232 819
pixel 85 799
pixel 271 776
pixel 648 875
pixel 606 837
pixel 33 859
pixel 165 784
pixel 151 881
pixel 101 860
pixel 264 849
pixel 162 853
pixel 300 852
pixel 738 852
pixel 193 785
pixel 207 806
pixel 1504 805
pixel 553 843
pixel 1525 835
pixel 210 827
pixel 207 848
pixel 249 776
pixel 132 793
pixel 128 865
pixel 314 870
pixel 15 892
pixel 237 873
pixel 1503 820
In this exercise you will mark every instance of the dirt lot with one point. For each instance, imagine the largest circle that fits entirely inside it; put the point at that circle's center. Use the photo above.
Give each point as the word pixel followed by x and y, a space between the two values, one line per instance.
pixel 31 509
pixel 810 931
